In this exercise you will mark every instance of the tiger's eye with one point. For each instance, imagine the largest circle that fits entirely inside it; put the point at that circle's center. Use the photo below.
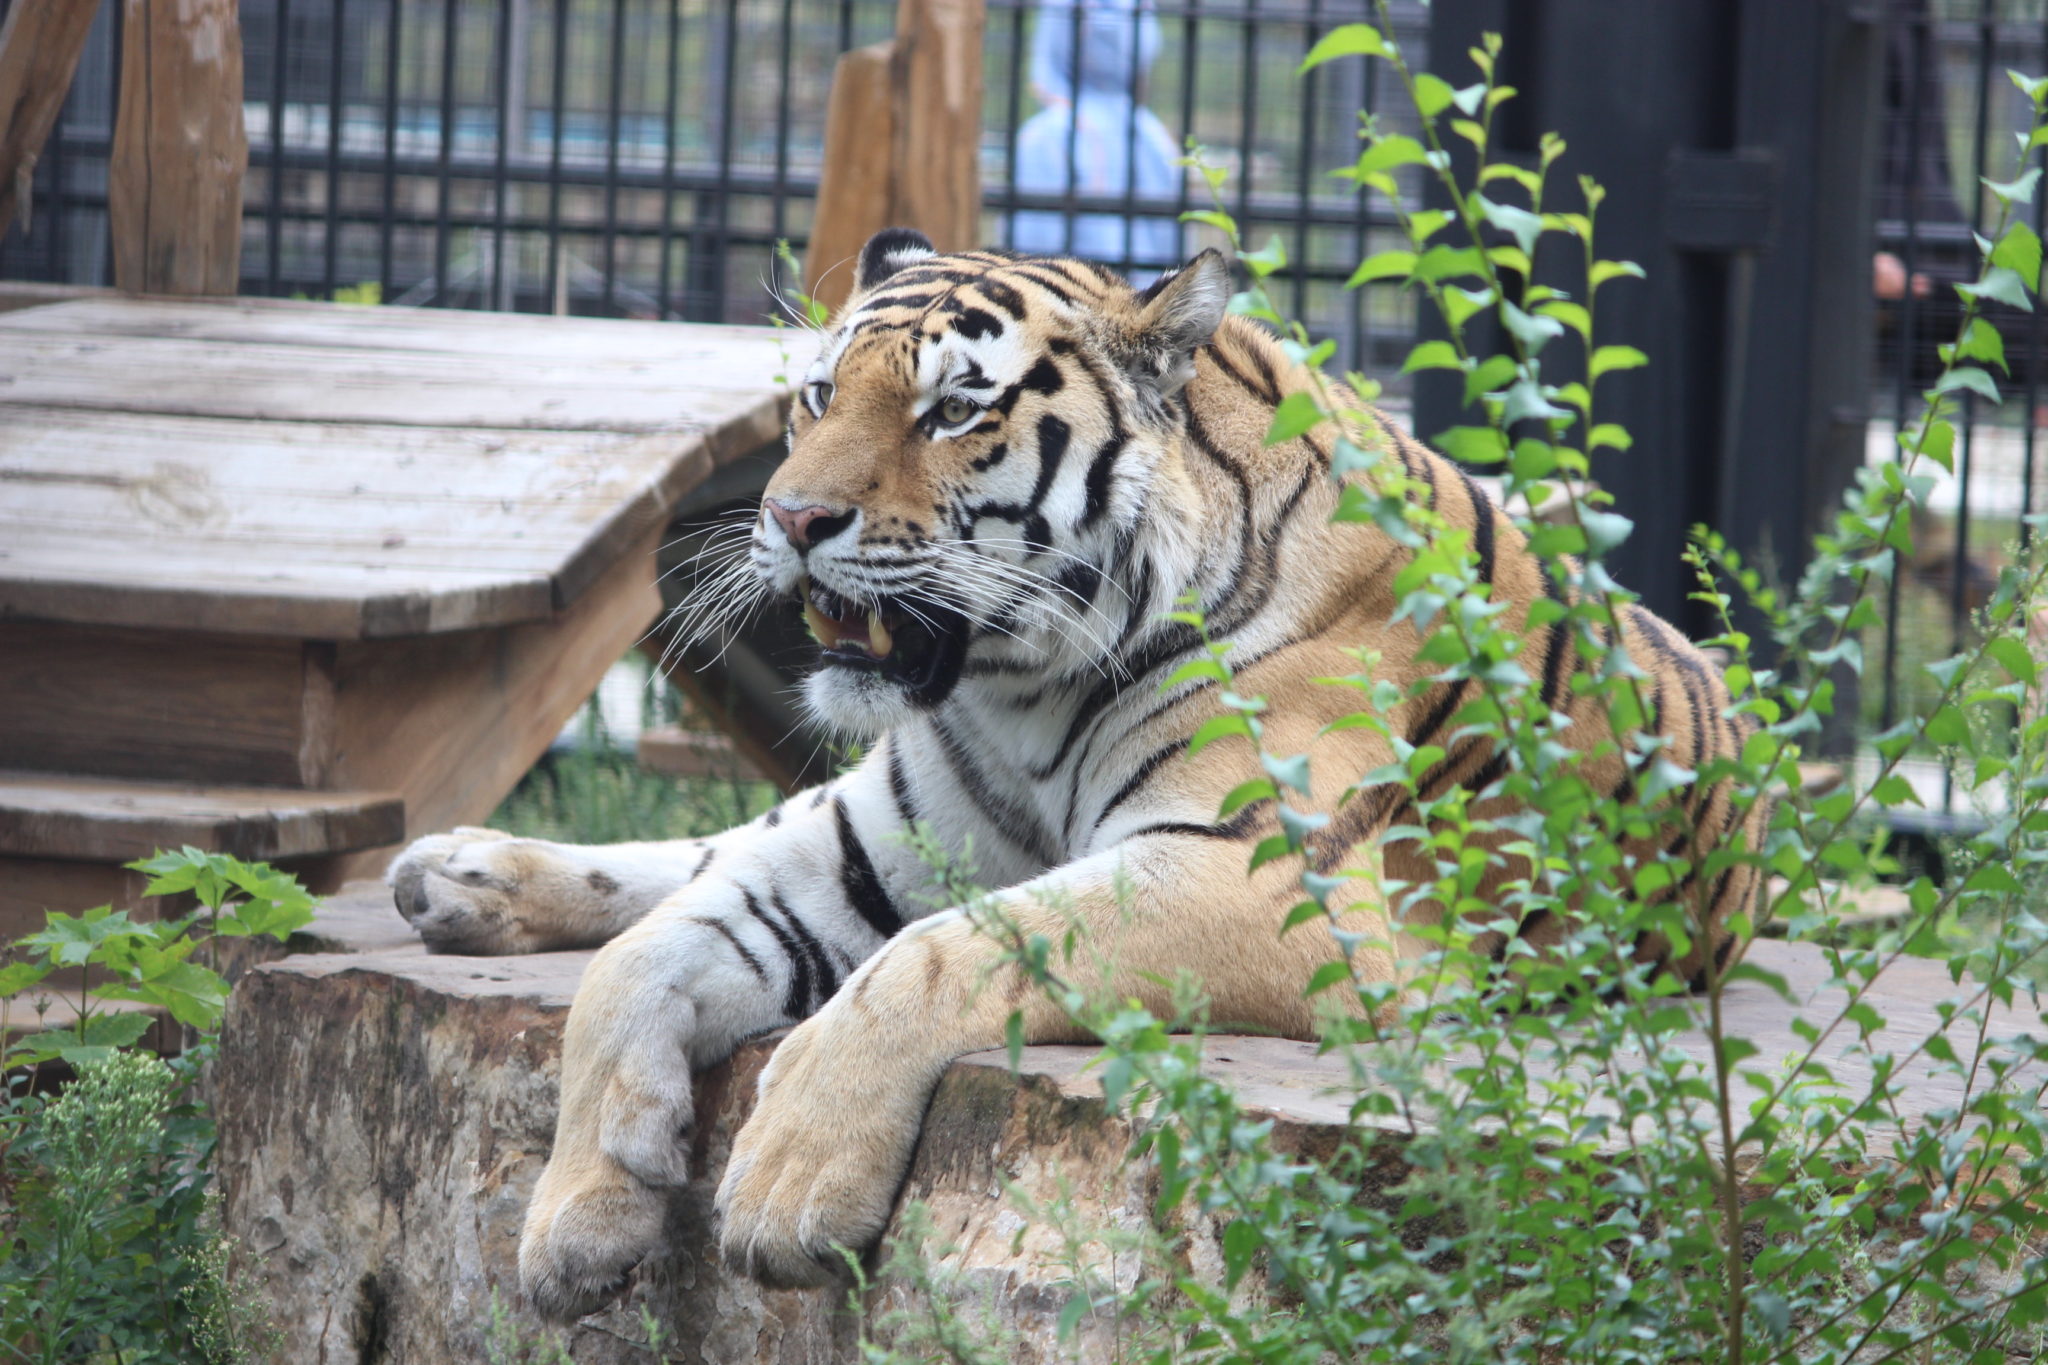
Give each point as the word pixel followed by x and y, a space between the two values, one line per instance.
pixel 954 411
pixel 821 397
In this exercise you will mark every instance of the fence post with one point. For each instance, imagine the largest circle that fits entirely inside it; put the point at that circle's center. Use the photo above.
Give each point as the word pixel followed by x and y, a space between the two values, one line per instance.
pixel 39 49
pixel 857 180
pixel 174 195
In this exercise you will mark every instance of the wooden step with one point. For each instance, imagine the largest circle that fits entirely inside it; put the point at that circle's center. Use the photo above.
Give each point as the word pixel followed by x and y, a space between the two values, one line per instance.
pixel 63 839
pixel 103 820
pixel 676 752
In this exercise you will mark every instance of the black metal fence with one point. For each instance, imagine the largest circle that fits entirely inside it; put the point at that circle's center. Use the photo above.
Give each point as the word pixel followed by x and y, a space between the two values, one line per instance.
pixel 643 157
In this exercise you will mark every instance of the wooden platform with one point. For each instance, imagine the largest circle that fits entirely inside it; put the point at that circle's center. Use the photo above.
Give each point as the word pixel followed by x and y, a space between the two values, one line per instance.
pixel 306 580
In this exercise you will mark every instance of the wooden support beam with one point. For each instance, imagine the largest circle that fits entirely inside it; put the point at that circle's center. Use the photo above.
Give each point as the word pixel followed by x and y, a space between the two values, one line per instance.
pixel 39 49
pixel 180 150
pixel 902 141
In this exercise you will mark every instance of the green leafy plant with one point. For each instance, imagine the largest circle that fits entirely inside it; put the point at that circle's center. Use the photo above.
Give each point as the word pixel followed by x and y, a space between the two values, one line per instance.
pixel 111 1247
pixel 1587 1163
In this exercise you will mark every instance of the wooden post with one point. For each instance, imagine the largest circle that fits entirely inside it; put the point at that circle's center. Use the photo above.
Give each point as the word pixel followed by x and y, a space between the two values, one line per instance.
pixel 175 185
pixel 39 49
pixel 938 120
pixel 858 174
pixel 902 141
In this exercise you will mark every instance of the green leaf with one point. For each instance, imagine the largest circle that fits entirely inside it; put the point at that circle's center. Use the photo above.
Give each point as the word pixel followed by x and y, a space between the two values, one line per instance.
pixel 17 977
pixel 1388 153
pixel 1301 914
pixel 2020 251
pixel 1487 376
pixel 1609 358
pixel 2019 190
pixel 1213 218
pixel 1572 315
pixel 1244 793
pixel 1298 412
pixel 1241 1241
pixel 1386 265
pixel 1982 342
pixel 97 1040
pixel 1524 226
pixel 1432 355
pixel 2011 654
pixel 1532 332
pixel 1968 377
pixel 1287 772
pixel 1603 271
pixel 1609 434
pixel 1013 1040
pixel 72 941
pixel 1326 976
pixel 1433 94
pixel 1349 40
pixel 1215 728
pixel 2003 283
pixel 1473 445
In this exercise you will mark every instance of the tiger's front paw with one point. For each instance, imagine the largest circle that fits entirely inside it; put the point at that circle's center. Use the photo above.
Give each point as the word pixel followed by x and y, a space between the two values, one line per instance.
pixel 818 1165
pixel 462 891
pixel 589 1225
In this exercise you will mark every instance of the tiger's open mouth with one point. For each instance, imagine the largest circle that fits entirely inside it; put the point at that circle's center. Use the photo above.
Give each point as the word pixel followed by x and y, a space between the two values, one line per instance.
pixel 919 648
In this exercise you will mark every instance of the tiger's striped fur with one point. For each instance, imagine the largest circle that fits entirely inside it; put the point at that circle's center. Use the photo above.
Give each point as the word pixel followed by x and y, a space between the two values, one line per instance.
pixel 1024 464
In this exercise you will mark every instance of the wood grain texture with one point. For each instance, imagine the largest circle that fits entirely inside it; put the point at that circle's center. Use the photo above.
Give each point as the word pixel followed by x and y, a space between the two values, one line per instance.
pixel 151 703
pixel 32 887
pixel 174 183
pixel 40 45
pixel 856 181
pixel 97 819
pixel 938 56
pixel 512 460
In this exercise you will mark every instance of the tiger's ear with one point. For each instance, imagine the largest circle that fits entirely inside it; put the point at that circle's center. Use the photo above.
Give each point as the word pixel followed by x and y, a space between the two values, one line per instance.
pixel 1178 312
pixel 887 252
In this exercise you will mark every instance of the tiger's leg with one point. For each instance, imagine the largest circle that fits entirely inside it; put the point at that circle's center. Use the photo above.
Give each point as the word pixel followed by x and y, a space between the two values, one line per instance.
pixel 481 892
pixel 761 938
pixel 843 1098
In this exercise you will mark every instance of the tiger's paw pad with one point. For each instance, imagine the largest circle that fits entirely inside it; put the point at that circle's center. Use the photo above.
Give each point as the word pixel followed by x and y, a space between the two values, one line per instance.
pixel 797 1193
pixel 580 1248
pixel 459 890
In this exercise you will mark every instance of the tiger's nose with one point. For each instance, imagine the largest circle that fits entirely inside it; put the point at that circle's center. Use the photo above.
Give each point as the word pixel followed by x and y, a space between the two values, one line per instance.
pixel 806 526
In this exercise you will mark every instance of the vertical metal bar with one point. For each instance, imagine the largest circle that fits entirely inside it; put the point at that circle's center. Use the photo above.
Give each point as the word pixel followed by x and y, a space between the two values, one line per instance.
pixel 558 96
pixel 1191 58
pixel 729 72
pixel 1247 125
pixel 1073 178
pixel 1133 80
pixel 499 169
pixel 443 232
pixel 1361 311
pixel 1903 378
pixel 780 192
pixel 617 67
pixel 331 247
pixel 393 71
pixel 845 25
pixel 1305 150
pixel 1008 208
pixel 273 227
pixel 668 157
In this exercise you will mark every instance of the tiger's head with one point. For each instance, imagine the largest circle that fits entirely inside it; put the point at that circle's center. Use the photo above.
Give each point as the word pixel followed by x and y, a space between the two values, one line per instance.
pixel 972 458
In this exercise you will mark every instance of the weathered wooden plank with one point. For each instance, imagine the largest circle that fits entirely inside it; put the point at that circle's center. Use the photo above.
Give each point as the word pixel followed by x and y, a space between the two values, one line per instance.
pixel 200 589
pixel 262 382
pixel 174 184
pixel 40 45
pixel 106 820
pixel 32 887
pixel 152 703
pixel 856 183
pixel 37 294
pixel 755 353
pixel 938 56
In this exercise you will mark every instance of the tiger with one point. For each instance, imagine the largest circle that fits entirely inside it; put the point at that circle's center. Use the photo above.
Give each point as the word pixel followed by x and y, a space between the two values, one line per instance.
pixel 1006 475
